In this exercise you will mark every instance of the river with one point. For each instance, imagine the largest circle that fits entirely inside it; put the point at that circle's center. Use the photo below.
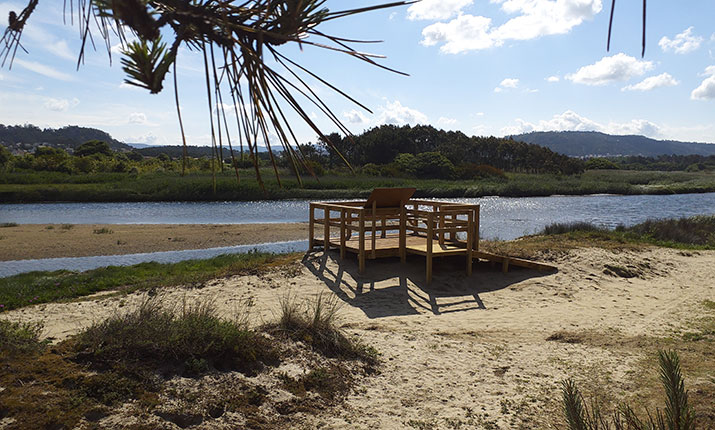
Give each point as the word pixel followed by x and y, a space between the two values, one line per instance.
pixel 501 217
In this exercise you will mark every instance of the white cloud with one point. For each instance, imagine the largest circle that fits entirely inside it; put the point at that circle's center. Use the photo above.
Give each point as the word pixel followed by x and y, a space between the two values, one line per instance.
pixel 479 114
pixel 706 90
pixel 653 82
pixel 43 70
pixel 535 18
pixel 446 122
pixel 465 33
pixel 619 67
pixel 354 116
pixel 682 44
pixel 509 83
pixel 60 105
pixel 553 79
pixel 137 118
pixel 436 9
pixel 395 113
pixel 571 121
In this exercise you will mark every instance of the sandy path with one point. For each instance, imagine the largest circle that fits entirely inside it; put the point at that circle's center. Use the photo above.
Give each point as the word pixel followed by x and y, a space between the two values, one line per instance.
pixel 32 241
pixel 464 352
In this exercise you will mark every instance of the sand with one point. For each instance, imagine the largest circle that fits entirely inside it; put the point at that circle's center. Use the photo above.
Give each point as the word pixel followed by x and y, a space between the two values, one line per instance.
pixel 33 241
pixel 466 352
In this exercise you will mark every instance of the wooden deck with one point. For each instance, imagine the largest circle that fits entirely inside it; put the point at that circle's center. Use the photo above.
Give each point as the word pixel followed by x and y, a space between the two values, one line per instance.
pixel 389 246
pixel 367 228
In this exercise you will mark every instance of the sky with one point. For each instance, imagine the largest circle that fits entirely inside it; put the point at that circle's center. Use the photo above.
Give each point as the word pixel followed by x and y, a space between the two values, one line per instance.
pixel 483 67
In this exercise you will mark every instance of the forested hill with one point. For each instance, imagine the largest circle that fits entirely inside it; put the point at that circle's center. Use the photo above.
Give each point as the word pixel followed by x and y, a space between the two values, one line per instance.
pixel 592 143
pixel 381 145
pixel 65 137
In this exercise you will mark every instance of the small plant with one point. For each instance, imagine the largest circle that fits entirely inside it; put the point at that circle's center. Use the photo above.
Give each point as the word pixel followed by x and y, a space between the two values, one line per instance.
pixel 8 224
pixel 50 227
pixel 67 226
pixel 103 230
pixel 677 415
pixel 20 337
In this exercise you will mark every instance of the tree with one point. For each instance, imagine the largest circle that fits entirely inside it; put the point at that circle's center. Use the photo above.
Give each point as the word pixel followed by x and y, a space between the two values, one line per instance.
pixel 235 38
pixel 93 147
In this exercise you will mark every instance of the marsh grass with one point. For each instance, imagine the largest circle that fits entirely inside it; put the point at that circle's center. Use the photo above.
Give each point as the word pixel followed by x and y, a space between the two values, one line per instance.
pixel 103 230
pixel 8 224
pixel 41 287
pixel 170 186
pixel 696 232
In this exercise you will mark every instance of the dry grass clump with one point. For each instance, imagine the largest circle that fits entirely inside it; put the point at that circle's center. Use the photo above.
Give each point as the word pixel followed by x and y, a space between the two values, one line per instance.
pixel 192 339
pixel 315 322
pixel 697 230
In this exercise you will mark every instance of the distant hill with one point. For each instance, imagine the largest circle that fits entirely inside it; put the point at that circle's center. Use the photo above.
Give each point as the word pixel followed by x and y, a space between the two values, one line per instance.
pixel 592 143
pixel 29 136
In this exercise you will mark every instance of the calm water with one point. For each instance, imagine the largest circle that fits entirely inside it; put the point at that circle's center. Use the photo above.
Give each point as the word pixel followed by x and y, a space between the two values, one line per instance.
pixel 501 217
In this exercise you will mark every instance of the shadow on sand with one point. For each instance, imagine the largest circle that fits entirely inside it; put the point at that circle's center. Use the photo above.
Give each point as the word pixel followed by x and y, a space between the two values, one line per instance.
pixel 389 288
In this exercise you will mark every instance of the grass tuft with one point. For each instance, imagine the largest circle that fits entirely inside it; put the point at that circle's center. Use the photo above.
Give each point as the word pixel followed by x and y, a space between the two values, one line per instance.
pixel 190 339
pixel 103 230
pixel 8 224
pixel 315 322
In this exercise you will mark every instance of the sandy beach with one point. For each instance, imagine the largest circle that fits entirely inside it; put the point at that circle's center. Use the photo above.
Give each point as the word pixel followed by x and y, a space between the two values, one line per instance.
pixel 486 351
pixel 33 241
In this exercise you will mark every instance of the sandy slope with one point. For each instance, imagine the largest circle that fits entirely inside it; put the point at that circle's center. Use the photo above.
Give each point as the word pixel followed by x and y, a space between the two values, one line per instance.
pixel 31 241
pixel 465 352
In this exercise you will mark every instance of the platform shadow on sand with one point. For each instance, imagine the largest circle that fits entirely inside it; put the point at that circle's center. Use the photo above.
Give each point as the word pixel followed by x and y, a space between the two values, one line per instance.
pixel 390 288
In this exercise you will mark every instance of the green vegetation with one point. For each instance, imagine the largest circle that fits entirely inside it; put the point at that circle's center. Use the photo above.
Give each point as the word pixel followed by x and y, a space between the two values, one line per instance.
pixel 677 414
pixel 41 287
pixel 169 185
pixel 20 337
pixel 696 232
pixel 103 230
pixel 8 224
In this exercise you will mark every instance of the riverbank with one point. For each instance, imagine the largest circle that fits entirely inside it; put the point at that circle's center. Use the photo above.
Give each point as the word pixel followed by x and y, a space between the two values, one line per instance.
pixel 36 241
pixel 170 186
pixel 486 351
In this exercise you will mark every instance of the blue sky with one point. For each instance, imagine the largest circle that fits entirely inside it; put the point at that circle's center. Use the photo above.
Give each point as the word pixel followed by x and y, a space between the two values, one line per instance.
pixel 493 67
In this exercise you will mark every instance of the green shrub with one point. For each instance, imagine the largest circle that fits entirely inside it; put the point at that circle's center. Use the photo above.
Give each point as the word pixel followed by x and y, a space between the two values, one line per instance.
pixel 697 230
pixel 561 228
pixel 476 171
pixel 600 163
pixel 92 147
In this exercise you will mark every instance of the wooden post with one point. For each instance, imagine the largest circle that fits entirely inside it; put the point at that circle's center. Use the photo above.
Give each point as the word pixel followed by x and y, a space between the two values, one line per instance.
pixel 384 227
pixel 361 240
pixel 311 226
pixel 373 223
pixel 505 265
pixel 453 230
pixel 470 232
pixel 342 234
pixel 430 238
pixel 326 230
pixel 476 229
pixel 403 232
pixel 441 215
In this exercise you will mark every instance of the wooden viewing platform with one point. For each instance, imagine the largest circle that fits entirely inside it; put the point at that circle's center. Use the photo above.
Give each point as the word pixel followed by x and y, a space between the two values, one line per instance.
pixel 390 224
